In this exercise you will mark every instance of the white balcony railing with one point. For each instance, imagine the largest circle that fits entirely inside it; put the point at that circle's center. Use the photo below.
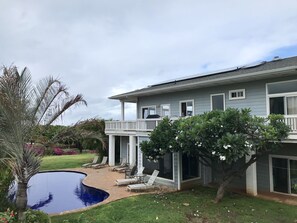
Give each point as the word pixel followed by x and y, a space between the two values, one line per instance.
pixel 147 125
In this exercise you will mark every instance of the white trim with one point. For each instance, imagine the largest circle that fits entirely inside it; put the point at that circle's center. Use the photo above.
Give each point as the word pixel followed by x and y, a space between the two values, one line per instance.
pixel 224 101
pixel 190 100
pixel 178 171
pixel 147 106
pixel 271 172
pixel 237 91
pixel 161 111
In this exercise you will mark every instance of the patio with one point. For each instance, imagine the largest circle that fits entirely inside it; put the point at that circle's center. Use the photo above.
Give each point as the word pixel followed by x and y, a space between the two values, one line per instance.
pixel 103 179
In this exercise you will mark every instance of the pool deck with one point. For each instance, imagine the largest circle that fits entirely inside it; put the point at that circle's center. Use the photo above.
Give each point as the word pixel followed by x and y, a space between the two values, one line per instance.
pixel 103 179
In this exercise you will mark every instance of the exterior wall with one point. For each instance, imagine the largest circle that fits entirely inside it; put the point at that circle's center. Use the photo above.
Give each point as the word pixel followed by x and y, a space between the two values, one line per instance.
pixel 263 175
pixel 255 98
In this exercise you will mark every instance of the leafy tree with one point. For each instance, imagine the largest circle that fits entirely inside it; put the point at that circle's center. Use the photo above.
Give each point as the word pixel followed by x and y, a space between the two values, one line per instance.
pixel 87 134
pixel 221 139
pixel 23 106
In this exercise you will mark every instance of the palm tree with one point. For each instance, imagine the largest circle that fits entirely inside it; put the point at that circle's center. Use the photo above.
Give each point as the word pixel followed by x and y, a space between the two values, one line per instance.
pixel 23 106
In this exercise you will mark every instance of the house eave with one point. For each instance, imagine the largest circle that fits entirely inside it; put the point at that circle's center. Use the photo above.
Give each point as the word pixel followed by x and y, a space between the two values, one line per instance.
pixel 200 83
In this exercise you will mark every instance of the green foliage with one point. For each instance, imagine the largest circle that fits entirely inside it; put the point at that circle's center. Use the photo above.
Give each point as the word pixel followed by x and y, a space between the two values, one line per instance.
pixel 221 136
pixel 6 179
pixel 161 140
pixel 220 139
pixel 7 216
pixel 34 216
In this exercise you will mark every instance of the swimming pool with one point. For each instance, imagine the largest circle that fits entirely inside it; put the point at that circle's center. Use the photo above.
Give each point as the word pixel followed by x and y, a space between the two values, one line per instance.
pixel 55 192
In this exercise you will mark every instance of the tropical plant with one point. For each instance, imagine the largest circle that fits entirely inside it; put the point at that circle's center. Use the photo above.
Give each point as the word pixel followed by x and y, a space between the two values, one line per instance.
pixel 220 139
pixel 23 106
pixel 87 134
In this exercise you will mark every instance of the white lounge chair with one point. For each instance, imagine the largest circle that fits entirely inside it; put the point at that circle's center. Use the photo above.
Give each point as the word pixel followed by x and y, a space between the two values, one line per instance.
pixel 102 164
pixel 135 179
pixel 144 186
pixel 121 166
pixel 95 160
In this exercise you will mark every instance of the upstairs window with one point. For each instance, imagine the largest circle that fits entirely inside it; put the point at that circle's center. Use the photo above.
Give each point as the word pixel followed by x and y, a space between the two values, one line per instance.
pixel 282 97
pixel 217 101
pixel 186 108
pixel 165 110
pixel 237 94
pixel 146 111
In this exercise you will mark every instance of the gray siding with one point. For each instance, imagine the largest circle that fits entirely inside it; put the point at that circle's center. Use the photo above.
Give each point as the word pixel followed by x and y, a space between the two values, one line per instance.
pixel 255 99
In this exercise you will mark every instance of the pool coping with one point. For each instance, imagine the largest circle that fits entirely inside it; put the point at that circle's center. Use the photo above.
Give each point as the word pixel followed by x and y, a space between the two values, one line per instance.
pixel 107 184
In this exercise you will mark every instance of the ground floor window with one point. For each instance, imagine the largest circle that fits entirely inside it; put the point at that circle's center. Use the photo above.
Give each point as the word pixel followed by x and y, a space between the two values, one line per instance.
pixel 190 167
pixel 284 175
pixel 164 165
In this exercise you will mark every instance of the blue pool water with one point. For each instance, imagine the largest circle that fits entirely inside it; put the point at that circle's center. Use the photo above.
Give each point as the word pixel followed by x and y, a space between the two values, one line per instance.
pixel 54 192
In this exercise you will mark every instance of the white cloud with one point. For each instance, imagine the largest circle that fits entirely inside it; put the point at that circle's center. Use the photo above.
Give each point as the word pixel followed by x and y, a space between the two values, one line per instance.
pixel 102 48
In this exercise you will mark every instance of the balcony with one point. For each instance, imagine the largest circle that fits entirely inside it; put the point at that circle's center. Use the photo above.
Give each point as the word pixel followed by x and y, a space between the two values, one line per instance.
pixel 148 125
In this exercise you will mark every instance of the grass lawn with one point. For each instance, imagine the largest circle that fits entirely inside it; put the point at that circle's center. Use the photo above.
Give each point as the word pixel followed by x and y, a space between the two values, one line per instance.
pixel 65 161
pixel 186 206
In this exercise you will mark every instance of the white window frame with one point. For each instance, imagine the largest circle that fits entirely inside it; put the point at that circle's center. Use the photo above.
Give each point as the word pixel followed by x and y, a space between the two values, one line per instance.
pixel 147 106
pixel 161 110
pixel 237 97
pixel 224 100
pixel 185 101
pixel 285 95
pixel 271 172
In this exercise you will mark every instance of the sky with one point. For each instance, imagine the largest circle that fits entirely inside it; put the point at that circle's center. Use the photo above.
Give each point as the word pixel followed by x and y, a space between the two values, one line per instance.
pixel 101 48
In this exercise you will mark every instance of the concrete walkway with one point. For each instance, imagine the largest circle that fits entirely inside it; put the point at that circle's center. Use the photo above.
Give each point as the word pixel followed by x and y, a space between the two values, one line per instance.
pixel 103 179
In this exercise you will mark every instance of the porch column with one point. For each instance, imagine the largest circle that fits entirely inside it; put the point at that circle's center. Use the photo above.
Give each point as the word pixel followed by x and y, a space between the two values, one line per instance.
pixel 111 150
pixel 132 150
pixel 122 110
pixel 251 178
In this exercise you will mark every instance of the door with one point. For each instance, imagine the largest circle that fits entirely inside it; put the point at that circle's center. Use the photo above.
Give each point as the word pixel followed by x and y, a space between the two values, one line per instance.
pixel 280 175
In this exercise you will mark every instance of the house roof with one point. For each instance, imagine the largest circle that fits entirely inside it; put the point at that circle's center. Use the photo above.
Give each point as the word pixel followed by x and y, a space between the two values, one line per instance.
pixel 256 71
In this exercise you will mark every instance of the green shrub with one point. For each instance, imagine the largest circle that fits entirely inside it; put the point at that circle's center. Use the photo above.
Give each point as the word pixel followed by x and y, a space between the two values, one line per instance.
pixel 33 216
pixel 6 179
pixel 7 216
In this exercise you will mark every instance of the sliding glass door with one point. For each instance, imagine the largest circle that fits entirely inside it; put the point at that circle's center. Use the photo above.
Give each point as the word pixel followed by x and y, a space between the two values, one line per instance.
pixel 284 174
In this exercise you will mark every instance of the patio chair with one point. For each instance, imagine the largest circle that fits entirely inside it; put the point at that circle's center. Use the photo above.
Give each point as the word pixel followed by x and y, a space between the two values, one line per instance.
pixel 121 166
pixel 95 160
pixel 135 178
pixel 125 168
pixel 144 186
pixel 102 164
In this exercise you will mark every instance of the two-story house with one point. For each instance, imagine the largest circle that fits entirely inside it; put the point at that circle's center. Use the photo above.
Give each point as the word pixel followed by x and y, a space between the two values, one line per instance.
pixel 265 88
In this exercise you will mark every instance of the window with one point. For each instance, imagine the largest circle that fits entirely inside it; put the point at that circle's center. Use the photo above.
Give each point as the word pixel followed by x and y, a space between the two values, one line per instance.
pixel 164 165
pixel 237 94
pixel 217 101
pixel 190 167
pixel 165 110
pixel 284 175
pixel 187 108
pixel 282 97
pixel 150 110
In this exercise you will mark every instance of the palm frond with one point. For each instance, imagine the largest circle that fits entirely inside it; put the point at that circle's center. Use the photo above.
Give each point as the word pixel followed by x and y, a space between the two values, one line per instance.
pixel 61 106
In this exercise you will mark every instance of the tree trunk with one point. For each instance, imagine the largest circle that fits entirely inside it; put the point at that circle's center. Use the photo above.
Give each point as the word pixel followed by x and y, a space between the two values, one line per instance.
pixel 222 188
pixel 21 201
